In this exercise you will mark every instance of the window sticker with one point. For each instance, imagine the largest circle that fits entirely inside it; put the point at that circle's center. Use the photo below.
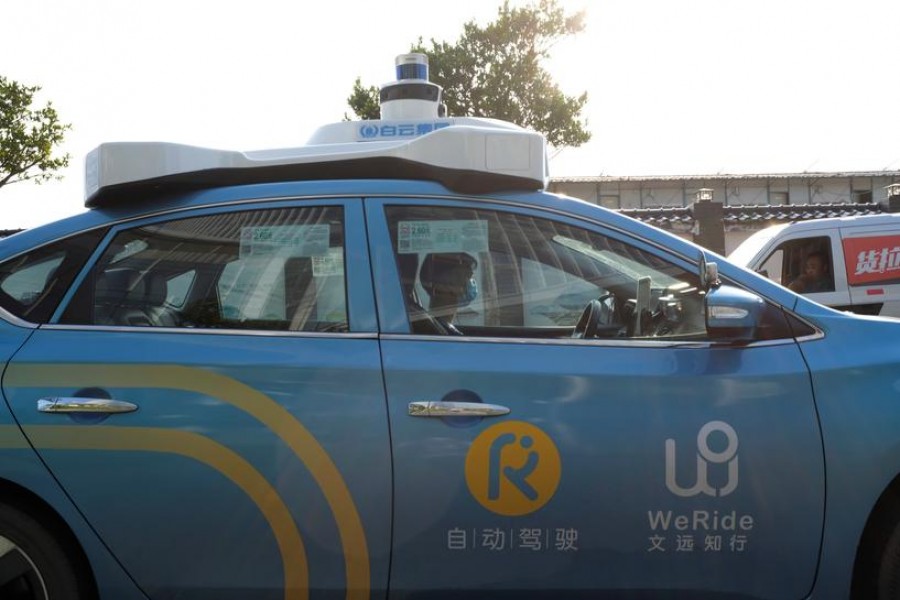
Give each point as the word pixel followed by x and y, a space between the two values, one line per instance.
pixel 442 236
pixel 285 240
pixel 329 264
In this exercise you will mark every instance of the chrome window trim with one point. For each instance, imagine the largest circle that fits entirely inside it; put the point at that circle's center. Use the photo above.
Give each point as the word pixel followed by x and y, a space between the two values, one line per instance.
pixel 818 335
pixel 16 321
pixel 612 343
pixel 203 331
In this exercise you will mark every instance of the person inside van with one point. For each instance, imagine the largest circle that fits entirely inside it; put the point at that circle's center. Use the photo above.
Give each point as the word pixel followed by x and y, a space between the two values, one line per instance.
pixel 816 276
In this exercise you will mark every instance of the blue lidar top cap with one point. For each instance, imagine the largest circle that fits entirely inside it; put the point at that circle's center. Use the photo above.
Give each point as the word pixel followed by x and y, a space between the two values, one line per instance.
pixel 412 66
pixel 412 71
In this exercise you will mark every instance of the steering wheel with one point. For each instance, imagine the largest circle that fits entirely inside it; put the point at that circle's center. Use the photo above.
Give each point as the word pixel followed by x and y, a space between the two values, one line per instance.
pixel 588 324
pixel 586 327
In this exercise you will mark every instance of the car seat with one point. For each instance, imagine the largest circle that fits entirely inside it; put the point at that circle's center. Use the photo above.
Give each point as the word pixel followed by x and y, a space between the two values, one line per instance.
pixel 126 296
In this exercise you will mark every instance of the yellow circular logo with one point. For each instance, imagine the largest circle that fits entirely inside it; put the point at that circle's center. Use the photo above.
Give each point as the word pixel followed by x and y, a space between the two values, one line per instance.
pixel 512 468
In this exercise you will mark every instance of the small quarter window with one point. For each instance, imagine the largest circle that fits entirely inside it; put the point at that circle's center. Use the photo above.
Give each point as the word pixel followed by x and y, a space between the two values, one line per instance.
pixel 32 284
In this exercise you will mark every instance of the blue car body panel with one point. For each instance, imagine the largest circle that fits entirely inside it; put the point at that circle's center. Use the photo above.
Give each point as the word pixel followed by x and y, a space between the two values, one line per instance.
pixel 265 459
pixel 23 472
pixel 609 411
pixel 173 488
pixel 612 489
pixel 857 388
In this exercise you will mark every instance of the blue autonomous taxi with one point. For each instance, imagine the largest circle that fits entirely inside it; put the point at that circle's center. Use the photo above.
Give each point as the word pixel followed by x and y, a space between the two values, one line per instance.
pixel 388 365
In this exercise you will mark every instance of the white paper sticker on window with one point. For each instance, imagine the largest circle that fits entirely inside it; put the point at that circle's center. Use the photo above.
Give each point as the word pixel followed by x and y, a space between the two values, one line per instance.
pixel 442 236
pixel 285 240
pixel 329 264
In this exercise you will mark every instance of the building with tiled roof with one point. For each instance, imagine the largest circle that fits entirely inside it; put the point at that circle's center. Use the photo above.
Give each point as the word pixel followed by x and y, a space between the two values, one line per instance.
pixel 748 202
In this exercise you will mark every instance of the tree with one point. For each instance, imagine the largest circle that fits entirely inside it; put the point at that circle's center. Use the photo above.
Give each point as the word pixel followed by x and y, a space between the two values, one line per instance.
pixel 495 71
pixel 28 136
pixel 364 101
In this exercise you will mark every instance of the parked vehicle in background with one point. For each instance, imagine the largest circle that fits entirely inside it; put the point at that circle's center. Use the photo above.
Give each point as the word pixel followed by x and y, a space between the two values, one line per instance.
pixel 388 365
pixel 861 257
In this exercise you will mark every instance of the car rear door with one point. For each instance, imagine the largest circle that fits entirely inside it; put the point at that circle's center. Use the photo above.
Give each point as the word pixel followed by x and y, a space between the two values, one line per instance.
pixel 646 460
pixel 211 398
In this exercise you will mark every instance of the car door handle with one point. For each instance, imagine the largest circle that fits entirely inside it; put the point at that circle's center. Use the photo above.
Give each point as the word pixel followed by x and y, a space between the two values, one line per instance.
pixel 84 405
pixel 456 409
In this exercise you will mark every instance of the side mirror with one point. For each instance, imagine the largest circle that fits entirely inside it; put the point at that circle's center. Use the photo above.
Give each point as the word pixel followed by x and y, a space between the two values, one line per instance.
pixel 733 314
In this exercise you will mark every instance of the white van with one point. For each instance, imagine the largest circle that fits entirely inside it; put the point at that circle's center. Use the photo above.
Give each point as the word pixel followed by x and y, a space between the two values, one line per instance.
pixel 862 257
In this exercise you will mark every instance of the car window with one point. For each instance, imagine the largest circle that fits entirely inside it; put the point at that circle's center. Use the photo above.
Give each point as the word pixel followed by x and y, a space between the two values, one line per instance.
pixel 32 284
pixel 773 267
pixel 280 270
pixel 804 265
pixel 499 274
pixel 25 285
pixel 480 272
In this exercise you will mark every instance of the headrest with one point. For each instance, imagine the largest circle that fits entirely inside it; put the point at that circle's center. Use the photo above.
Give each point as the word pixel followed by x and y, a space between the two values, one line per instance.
pixel 156 289
pixel 117 285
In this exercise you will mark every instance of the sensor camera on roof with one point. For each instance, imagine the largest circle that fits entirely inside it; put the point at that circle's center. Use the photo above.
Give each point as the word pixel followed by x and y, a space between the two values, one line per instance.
pixel 412 96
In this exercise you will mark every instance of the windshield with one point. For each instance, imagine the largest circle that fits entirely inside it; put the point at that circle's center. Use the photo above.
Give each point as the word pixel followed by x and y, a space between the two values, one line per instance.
pixel 749 248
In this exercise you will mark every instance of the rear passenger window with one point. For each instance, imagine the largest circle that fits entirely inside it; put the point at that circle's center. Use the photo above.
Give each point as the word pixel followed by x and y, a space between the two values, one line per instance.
pixel 279 270
pixel 32 284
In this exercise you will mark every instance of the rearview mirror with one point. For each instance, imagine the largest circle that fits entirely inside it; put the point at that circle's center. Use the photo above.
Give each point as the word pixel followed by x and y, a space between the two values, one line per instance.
pixel 709 273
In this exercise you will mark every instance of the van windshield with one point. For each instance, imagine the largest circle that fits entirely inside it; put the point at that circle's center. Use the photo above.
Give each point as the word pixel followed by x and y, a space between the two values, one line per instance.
pixel 749 248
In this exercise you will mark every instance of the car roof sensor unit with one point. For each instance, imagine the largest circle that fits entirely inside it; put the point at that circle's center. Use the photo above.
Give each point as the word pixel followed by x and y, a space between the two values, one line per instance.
pixel 412 96
pixel 412 140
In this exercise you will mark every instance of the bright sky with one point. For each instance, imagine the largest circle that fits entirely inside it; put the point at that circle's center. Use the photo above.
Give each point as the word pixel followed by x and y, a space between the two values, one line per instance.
pixel 676 87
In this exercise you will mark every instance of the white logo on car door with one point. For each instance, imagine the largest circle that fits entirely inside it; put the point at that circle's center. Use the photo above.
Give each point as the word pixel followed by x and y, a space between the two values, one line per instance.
pixel 705 457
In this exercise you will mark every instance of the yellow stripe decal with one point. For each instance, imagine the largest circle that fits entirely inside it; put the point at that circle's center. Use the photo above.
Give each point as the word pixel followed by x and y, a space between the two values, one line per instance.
pixel 11 438
pixel 253 402
pixel 206 451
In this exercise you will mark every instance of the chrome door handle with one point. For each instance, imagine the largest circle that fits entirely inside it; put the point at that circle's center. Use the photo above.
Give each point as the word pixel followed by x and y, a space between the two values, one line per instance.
pixel 84 405
pixel 456 409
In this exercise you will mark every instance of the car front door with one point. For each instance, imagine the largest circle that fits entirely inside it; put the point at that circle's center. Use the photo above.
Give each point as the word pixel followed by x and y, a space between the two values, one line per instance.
pixel 636 456
pixel 211 398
